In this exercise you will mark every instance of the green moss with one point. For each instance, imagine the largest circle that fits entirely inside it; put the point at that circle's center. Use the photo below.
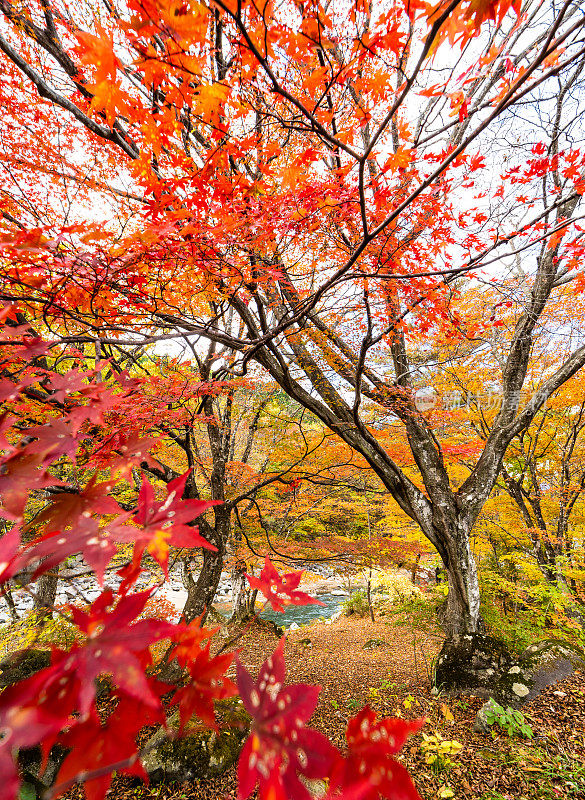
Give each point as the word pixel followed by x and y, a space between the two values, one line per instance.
pixel 371 644
pixel 21 665
pixel 201 752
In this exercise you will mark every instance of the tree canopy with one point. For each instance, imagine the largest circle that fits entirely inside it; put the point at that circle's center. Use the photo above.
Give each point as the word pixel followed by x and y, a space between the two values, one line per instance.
pixel 307 184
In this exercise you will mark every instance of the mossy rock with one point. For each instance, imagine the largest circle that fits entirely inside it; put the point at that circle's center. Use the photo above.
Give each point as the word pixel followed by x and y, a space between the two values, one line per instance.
pixel 21 665
pixel 199 753
pixel 372 644
pixel 548 662
pixel 484 666
pixel 30 761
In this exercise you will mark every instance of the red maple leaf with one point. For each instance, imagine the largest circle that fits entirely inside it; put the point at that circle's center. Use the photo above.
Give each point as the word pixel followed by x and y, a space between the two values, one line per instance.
pixel 32 711
pixel 54 439
pixel 123 450
pixel 115 645
pixel 27 345
pixel 68 507
pixel 482 10
pixel 370 770
pixel 22 473
pixel 129 573
pixel 9 390
pixel 96 746
pixel 280 747
pixel 94 543
pixel 99 401
pixel 280 590
pixel 188 637
pixel 9 547
pixel 164 523
pixel 63 385
pixel 207 682
pixel 6 423
pixel 31 347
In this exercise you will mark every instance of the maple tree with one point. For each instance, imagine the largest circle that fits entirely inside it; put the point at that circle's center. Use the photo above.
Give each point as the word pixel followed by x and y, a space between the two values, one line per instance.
pixel 58 704
pixel 528 535
pixel 230 437
pixel 311 181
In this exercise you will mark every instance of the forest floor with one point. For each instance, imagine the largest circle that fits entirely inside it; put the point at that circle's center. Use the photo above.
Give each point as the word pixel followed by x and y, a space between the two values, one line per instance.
pixel 393 677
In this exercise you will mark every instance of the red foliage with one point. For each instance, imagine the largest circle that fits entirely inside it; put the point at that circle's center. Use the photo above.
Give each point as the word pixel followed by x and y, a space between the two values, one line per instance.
pixel 58 704
pixel 165 523
pixel 159 607
pixel 280 590
pixel 370 769
pixel 94 745
pixel 280 747
pixel 115 645
pixel 208 683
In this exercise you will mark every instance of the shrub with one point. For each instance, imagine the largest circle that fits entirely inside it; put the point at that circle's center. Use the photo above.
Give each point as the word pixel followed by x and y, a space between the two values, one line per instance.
pixel 510 721
pixel 438 752
pixel 159 607
pixel 356 604
pixel 36 631
pixel 396 586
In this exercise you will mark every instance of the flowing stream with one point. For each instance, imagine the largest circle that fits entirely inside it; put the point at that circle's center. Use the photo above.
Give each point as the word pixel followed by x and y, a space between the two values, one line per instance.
pixel 306 614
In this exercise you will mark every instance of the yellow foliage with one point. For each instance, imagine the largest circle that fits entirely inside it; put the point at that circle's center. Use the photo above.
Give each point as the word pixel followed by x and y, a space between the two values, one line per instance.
pixel 397 586
pixel 31 631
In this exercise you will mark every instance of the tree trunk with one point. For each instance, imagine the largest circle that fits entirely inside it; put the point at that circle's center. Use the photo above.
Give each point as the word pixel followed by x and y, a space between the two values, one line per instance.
pixel 461 615
pixel 201 593
pixel 46 593
pixel 413 573
pixel 369 596
pixel 241 609
pixel 9 600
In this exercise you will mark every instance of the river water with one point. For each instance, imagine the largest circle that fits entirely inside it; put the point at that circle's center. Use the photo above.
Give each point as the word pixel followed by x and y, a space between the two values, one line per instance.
pixel 303 615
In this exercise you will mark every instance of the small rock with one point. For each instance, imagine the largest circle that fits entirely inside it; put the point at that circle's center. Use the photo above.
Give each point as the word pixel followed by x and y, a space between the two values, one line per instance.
pixel 371 644
pixel 293 626
pixel 481 724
